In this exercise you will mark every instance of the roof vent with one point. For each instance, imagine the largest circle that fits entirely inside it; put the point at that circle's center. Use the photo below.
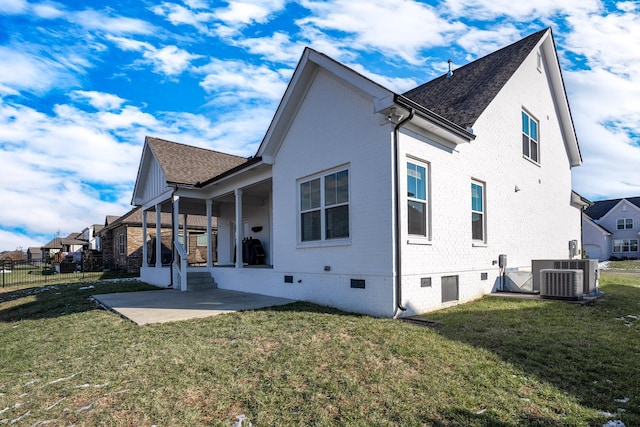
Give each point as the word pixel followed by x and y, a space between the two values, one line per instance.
pixel 450 72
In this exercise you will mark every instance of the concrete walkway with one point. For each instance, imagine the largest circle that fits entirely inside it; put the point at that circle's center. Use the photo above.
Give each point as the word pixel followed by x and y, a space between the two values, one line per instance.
pixel 171 305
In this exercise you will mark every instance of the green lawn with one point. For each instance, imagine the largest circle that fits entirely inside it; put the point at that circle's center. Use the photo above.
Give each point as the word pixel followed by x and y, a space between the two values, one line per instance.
pixel 494 362
pixel 632 265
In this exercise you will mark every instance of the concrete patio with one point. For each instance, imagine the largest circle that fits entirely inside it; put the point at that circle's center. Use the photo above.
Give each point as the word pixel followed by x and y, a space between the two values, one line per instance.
pixel 170 305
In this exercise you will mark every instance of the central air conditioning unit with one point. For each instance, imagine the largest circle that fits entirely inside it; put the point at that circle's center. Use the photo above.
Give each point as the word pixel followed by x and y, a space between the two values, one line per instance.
pixel 561 284
pixel 589 268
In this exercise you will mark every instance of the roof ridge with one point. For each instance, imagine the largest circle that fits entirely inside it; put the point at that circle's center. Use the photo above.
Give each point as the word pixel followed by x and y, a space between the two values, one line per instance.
pixel 149 138
pixel 462 97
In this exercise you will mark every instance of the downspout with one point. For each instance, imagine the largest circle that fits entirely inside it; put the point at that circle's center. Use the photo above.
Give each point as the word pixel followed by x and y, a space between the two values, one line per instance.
pixel 398 242
pixel 173 249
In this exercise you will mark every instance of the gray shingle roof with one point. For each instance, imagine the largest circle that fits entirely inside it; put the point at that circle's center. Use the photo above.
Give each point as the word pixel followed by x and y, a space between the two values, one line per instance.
pixel 463 97
pixel 58 242
pixel 186 164
pixel 601 207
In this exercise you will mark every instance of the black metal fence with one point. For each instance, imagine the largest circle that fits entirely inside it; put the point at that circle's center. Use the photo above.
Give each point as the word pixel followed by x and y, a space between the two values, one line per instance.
pixel 37 273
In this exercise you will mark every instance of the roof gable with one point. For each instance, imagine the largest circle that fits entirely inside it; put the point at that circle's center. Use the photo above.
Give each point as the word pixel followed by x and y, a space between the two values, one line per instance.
pixel 464 96
pixel 603 207
pixel 467 93
pixel 186 164
pixel 588 222
pixel 303 76
pixel 165 163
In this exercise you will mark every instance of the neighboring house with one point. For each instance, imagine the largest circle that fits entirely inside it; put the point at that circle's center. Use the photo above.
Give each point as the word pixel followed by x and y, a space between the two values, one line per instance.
pixel 611 229
pixel 35 254
pixel 122 240
pixel 383 203
pixel 91 234
pixel 60 246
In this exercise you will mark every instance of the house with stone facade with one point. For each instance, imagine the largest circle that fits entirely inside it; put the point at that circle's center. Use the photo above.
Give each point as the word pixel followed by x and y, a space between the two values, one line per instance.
pixel 611 229
pixel 123 238
pixel 377 202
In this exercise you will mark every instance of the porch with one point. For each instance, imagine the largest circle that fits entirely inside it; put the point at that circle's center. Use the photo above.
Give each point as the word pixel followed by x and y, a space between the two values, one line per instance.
pixel 168 305
pixel 240 240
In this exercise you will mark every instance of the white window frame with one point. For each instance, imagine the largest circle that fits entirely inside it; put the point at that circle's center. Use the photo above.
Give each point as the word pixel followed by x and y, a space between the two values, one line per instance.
pixel 529 140
pixel 621 246
pixel 426 237
pixel 624 224
pixel 323 208
pixel 482 211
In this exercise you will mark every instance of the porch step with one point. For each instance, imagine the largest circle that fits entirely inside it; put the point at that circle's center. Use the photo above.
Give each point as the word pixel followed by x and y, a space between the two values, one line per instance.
pixel 200 281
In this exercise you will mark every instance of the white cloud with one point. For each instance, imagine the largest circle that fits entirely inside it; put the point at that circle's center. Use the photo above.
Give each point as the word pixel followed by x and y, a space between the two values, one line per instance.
pixel 402 29
pixel 610 42
pixel 604 99
pixel 396 84
pixel 95 20
pixel 479 42
pixel 248 11
pixel 10 241
pixel 13 6
pixel 277 47
pixel 488 10
pixel 99 100
pixel 169 60
pixel 240 14
pixel 47 11
pixel 606 120
pixel 25 68
pixel 237 80
pixel 180 15
pixel 196 4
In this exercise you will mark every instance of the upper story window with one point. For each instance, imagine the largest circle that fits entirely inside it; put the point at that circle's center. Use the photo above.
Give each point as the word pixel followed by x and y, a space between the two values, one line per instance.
pixel 530 141
pixel 417 213
pixel 625 224
pixel 477 211
pixel 324 207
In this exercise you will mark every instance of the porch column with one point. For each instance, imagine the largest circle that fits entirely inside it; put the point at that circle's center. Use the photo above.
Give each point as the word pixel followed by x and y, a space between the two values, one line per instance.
pixel 239 234
pixel 185 237
pixel 158 237
pixel 208 204
pixel 145 260
pixel 175 222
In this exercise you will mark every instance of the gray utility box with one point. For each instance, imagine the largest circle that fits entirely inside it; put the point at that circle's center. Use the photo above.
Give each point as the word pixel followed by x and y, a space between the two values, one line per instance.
pixel 589 267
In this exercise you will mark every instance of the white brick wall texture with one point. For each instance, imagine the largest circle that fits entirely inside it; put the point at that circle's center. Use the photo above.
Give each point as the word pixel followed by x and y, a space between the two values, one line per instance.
pixel 336 126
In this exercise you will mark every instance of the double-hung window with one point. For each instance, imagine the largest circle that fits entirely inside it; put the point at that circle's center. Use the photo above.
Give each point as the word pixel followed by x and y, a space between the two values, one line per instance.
pixel 477 211
pixel 530 141
pixel 625 224
pixel 417 185
pixel 625 245
pixel 324 207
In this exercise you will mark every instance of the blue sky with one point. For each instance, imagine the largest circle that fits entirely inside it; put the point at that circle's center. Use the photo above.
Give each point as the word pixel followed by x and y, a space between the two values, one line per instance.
pixel 82 84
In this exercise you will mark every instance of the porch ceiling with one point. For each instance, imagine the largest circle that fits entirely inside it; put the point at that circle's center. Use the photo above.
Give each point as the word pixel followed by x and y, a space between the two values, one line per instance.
pixel 255 194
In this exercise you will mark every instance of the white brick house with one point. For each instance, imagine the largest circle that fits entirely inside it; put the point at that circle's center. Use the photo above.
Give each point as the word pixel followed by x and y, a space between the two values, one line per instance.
pixel 383 203
pixel 611 228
